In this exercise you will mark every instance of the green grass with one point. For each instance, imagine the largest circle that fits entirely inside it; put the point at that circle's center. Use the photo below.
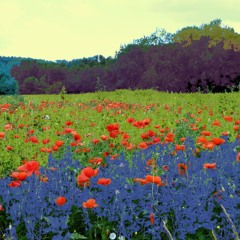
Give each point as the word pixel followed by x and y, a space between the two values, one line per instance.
pixel 161 108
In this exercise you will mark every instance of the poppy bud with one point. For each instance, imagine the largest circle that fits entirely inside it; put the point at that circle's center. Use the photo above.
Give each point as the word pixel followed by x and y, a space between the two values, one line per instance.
pixel 151 218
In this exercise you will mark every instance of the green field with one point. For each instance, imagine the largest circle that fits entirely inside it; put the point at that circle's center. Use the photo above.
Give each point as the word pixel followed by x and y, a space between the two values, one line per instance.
pixel 163 109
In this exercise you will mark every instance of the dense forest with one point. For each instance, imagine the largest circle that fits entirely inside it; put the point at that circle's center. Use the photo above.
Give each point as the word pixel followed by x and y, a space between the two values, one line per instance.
pixel 204 58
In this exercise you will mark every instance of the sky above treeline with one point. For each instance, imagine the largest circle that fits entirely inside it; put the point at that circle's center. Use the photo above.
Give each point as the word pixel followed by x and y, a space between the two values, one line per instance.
pixel 70 29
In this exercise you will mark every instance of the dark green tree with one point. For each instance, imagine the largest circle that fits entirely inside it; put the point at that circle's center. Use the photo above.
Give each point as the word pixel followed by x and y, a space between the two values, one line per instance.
pixel 158 38
pixel 214 30
pixel 8 86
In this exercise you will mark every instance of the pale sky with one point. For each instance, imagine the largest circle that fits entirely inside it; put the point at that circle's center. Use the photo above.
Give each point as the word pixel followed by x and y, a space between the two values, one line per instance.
pixel 70 29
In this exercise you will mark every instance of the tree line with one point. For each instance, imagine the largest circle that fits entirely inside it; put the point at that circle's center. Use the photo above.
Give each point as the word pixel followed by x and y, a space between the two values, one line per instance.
pixel 205 58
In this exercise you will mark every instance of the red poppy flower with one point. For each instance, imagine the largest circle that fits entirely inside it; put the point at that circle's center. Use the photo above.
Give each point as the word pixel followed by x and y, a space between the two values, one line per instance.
pixel 144 136
pixel 228 118
pixel 104 137
pixel 201 139
pixel 140 180
pixel 217 141
pixel 68 123
pixel 165 167
pixel 30 167
pixel 130 120
pixel 113 134
pixel 125 136
pixel 61 201
pixel 99 108
pixel 8 127
pixel 104 181
pixel 82 178
pixel 86 150
pixel 124 143
pixel 170 135
pixel 14 184
pixel 236 128
pixel 146 121
pixel 151 217
pixel 90 203
pixel 2 134
pixel 42 149
pixel 156 140
pixel 182 139
pixel 153 179
pixel 68 130
pixel 95 141
pixel 33 139
pixel 151 133
pixel 138 124
pixel 168 139
pixel 9 148
pixel 216 123
pixel 95 160
pixel 31 131
pixel 48 150
pixel 21 176
pixel 59 143
pixel 112 127
pixel 114 156
pixel 77 137
pixel 208 145
pixel 209 165
pixel 162 130
pixel 179 147
pixel 206 133
pixel 130 147
pixel 225 133
pixel 182 168
pixel 55 148
pixel 89 172
pixel 143 145
pixel 105 154
pixel 151 162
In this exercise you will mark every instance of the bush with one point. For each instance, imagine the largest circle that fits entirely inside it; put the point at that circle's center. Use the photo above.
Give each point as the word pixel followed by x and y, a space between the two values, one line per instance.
pixel 8 86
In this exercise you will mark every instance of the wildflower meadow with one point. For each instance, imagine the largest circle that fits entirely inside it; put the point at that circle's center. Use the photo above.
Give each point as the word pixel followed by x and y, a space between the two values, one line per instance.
pixel 120 165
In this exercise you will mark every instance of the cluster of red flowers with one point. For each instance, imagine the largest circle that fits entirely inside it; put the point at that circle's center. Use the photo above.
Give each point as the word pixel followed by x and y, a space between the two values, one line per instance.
pixel 160 135
pixel 24 171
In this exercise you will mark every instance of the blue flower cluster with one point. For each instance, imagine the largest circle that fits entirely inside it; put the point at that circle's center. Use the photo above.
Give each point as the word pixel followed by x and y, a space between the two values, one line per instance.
pixel 185 204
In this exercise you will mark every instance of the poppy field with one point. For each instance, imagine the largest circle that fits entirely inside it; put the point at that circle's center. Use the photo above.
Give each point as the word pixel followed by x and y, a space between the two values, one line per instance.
pixel 120 165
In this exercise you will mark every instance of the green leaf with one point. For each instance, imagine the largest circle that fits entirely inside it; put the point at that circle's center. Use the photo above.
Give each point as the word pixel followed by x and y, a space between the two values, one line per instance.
pixel 78 236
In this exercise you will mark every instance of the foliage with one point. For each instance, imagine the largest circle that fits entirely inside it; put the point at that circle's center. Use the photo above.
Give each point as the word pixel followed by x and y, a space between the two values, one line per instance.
pixel 204 58
pixel 230 38
pixel 157 38
pixel 198 204
pixel 187 199
pixel 171 67
pixel 7 87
